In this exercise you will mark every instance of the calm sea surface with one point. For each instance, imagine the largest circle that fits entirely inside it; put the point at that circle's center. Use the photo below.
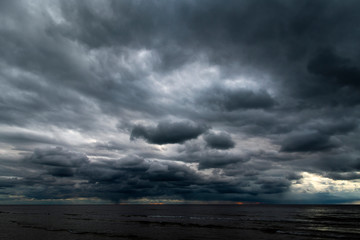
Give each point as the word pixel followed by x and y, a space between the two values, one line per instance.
pixel 179 222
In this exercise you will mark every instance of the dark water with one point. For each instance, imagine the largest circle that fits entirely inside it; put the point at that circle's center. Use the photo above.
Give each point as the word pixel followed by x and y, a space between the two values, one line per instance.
pixel 180 222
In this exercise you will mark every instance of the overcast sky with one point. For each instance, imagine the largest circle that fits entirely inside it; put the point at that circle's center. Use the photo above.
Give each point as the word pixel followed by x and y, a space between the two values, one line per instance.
pixel 179 101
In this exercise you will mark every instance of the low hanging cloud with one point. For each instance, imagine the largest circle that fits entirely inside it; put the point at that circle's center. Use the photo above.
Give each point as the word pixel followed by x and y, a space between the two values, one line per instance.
pixel 168 132
pixel 234 99
pixel 332 67
pixel 308 142
pixel 219 161
pixel 57 162
pixel 220 140
pixel 335 127
pixel 256 91
pixel 57 157
pixel 131 177
pixel 321 136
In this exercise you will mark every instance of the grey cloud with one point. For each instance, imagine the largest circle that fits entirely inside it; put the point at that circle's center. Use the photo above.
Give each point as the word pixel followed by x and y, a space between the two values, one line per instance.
pixel 333 79
pixel 23 138
pixel 57 162
pixel 338 163
pixel 320 135
pixel 219 140
pixel 342 176
pixel 231 100
pixel 61 171
pixel 273 185
pixel 218 160
pixel 338 126
pixel 56 174
pixel 57 157
pixel 308 142
pixel 70 70
pixel 195 153
pixel 7 183
pixel 134 177
pixel 168 132
pixel 110 145
pixel 335 69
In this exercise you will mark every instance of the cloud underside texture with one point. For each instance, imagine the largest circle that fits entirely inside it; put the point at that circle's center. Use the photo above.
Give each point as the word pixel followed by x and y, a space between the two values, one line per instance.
pixel 201 100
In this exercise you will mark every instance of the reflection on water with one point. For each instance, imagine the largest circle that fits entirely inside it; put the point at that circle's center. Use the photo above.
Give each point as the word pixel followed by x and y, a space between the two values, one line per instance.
pixel 335 219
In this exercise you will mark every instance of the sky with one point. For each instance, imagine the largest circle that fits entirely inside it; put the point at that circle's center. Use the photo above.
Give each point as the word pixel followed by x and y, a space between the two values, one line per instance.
pixel 179 101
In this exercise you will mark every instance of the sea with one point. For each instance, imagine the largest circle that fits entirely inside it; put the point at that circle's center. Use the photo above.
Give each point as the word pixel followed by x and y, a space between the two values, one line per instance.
pixel 179 222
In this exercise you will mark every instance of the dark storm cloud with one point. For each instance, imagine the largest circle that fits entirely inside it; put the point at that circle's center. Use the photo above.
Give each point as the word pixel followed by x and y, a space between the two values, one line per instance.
pixel 320 136
pixel 342 176
pixel 59 76
pixel 57 162
pixel 252 34
pixel 57 157
pixel 23 138
pixel 218 160
pixel 219 140
pixel 129 177
pixel 282 77
pixel 339 126
pixel 308 142
pixel 273 185
pixel 334 68
pixel 142 178
pixel 231 100
pixel 115 180
pixel 209 158
pixel 337 77
pixel 110 145
pixel 338 163
pixel 234 38
pixel 168 132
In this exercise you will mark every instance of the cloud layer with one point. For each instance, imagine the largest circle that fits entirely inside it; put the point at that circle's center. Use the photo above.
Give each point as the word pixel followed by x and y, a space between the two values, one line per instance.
pixel 210 101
